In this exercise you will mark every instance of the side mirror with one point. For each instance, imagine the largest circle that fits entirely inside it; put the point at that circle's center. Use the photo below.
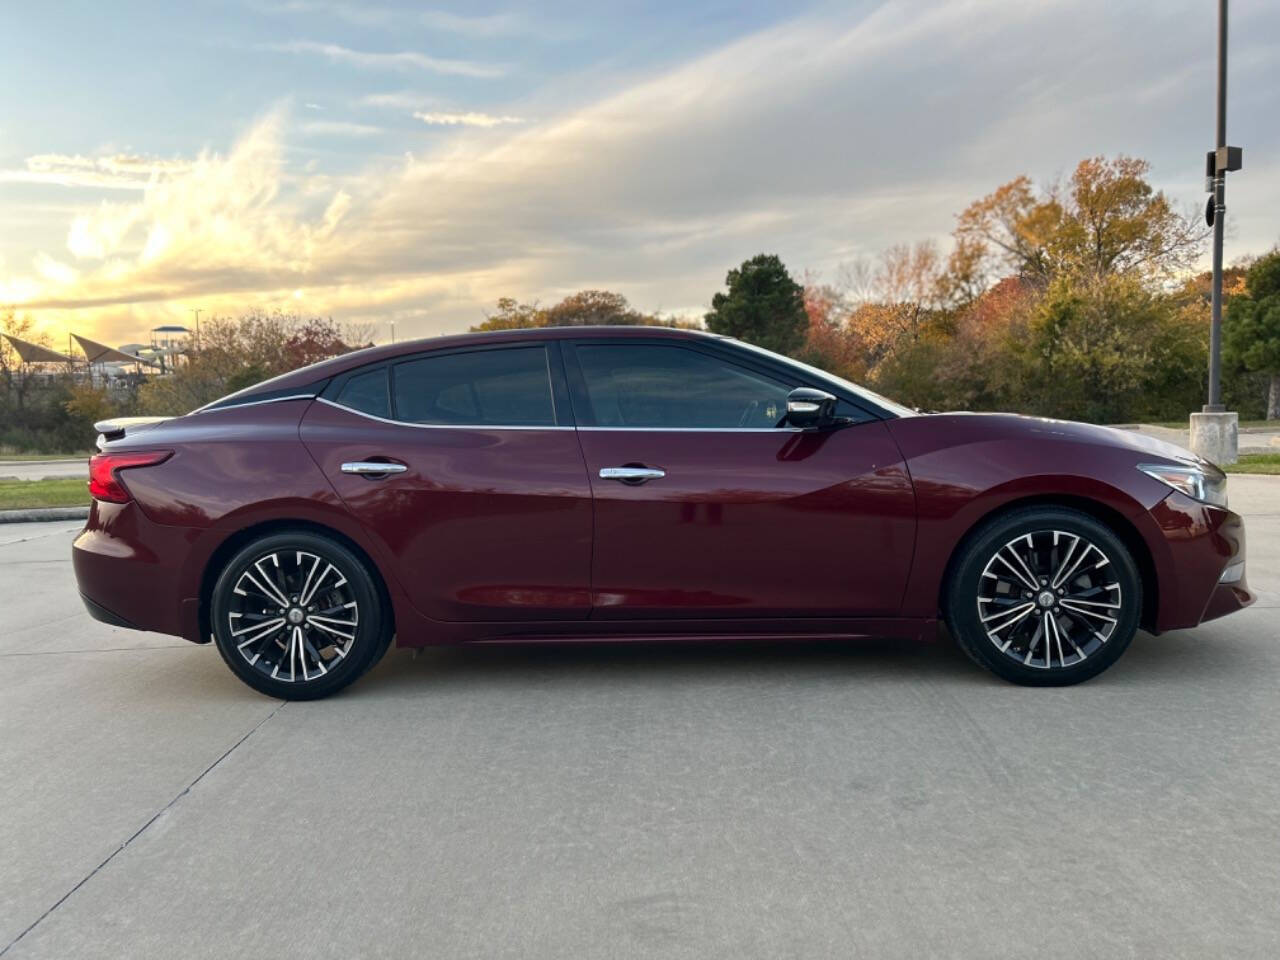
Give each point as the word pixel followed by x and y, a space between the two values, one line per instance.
pixel 809 408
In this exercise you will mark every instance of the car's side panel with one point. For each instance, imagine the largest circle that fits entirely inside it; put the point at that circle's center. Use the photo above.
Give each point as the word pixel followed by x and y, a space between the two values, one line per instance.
pixel 487 523
pixel 751 523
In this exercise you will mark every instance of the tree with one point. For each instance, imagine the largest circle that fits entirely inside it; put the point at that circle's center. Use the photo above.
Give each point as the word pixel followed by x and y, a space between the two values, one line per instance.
pixel 239 352
pixel 764 306
pixel 1107 219
pixel 829 343
pixel 1251 327
pixel 584 308
pixel 1108 350
pixel 592 307
pixel 511 315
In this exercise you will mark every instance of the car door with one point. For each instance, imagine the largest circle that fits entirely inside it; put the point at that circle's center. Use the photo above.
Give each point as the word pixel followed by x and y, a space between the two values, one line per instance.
pixel 707 507
pixel 484 502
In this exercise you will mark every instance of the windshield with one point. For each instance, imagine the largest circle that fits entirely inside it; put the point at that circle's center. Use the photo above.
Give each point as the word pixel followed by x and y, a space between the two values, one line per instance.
pixel 870 395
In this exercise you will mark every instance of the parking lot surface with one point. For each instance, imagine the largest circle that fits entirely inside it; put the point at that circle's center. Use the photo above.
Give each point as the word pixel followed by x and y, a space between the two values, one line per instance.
pixel 872 800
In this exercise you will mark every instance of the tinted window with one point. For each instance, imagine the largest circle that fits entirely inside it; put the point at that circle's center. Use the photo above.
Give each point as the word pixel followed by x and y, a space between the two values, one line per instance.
pixel 498 387
pixel 640 385
pixel 367 392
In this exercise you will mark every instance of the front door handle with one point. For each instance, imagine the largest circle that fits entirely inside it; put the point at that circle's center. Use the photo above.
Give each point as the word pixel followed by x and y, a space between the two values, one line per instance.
pixel 373 468
pixel 631 475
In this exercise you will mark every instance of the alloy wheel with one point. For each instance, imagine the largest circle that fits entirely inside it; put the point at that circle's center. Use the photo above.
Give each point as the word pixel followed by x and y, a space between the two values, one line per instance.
pixel 1049 595
pixel 292 615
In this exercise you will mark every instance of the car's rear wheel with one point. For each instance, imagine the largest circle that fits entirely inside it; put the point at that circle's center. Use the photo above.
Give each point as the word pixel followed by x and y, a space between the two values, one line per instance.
pixel 1044 596
pixel 297 615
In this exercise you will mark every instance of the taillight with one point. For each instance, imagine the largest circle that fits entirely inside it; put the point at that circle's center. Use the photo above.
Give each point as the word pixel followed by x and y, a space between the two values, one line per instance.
pixel 104 484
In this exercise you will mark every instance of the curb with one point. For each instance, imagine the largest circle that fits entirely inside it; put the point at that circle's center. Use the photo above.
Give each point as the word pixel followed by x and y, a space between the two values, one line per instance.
pixel 37 514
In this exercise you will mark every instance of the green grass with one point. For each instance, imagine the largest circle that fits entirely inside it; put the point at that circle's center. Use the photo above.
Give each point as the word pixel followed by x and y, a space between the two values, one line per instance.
pixel 53 492
pixel 1256 463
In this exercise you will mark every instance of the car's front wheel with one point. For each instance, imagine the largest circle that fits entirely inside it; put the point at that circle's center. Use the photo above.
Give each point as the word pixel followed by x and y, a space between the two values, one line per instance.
pixel 297 615
pixel 1044 596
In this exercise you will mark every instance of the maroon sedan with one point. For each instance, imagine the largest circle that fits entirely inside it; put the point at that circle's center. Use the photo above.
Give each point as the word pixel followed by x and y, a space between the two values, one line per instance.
pixel 637 484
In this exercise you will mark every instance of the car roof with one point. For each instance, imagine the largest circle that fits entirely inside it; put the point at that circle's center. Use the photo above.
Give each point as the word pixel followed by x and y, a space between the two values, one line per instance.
pixel 325 369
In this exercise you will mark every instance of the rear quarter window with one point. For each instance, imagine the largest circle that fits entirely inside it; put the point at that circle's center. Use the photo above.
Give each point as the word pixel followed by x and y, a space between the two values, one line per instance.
pixel 367 393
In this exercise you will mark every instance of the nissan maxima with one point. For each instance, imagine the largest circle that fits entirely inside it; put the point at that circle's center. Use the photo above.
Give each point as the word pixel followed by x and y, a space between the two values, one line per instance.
pixel 631 484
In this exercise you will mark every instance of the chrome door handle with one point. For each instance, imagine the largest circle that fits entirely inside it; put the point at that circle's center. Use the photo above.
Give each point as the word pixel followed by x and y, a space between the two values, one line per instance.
pixel 373 468
pixel 631 474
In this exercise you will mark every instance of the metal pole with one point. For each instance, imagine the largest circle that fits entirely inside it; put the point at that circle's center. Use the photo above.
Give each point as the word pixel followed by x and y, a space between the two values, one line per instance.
pixel 1219 217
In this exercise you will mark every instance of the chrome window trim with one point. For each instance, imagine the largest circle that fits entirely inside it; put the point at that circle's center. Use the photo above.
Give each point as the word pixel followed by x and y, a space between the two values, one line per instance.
pixel 209 407
pixel 693 429
pixel 437 426
pixel 494 426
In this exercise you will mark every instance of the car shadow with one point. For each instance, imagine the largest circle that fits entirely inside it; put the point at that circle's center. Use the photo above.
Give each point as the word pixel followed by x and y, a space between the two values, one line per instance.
pixel 1180 656
pixel 650 663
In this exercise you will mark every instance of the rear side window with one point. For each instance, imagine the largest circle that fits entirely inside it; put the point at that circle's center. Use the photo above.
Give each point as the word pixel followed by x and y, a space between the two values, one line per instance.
pixel 509 387
pixel 643 385
pixel 367 392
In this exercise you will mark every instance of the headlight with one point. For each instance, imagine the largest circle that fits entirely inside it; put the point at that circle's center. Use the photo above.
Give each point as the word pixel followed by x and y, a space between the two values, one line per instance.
pixel 1207 486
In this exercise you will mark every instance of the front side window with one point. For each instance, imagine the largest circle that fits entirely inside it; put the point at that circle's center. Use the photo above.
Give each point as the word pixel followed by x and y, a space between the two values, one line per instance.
pixel 509 387
pixel 657 386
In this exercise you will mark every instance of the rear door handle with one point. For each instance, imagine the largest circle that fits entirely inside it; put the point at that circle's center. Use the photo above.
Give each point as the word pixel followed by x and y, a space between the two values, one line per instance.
pixel 373 468
pixel 631 474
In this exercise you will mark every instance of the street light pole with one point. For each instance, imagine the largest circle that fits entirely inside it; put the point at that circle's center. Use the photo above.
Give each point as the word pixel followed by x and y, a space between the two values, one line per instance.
pixel 1215 432
pixel 1219 217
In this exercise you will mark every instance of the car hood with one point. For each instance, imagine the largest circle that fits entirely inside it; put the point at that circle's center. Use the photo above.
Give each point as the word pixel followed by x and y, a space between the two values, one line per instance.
pixel 1005 424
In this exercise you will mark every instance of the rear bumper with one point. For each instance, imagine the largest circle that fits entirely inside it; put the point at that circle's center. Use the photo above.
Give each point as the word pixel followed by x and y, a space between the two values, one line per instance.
pixel 129 570
pixel 101 613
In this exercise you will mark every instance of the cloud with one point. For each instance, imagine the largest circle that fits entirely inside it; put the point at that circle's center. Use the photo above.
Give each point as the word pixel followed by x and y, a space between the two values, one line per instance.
pixel 119 171
pixel 406 60
pixel 339 128
pixel 469 119
pixel 368 15
pixel 397 100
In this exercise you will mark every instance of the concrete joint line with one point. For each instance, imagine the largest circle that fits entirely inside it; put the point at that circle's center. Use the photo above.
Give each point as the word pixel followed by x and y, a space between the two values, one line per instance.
pixel 140 831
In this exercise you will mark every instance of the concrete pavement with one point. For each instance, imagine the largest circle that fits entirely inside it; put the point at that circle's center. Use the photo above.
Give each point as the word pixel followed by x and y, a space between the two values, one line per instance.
pixel 44 469
pixel 879 800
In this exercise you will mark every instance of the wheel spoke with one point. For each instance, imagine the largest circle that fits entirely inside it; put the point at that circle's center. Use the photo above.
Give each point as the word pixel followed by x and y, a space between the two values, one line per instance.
pixel 1028 580
pixel 1071 605
pixel 306 597
pixel 334 631
pixel 1031 647
pixel 332 621
pixel 263 630
pixel 1057 578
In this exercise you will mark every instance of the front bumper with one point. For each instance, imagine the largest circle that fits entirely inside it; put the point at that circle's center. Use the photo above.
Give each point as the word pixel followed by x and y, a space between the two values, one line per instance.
pixel 1200 562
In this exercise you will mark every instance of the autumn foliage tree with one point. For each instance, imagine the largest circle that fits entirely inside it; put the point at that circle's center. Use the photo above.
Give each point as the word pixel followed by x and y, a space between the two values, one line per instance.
pixel 584 308
pixel 1106 219
pixel 237 352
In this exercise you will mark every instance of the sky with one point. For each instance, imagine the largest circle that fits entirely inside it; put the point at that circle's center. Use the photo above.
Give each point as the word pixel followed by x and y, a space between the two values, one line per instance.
pixel 383 163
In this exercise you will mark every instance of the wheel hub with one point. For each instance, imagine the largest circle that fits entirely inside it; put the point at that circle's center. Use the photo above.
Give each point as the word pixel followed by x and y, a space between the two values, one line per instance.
pixel 296 615
pixel 1045 600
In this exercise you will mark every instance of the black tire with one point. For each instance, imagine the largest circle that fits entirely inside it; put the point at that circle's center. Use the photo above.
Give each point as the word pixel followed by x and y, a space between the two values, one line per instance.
pixel 987 598
pixel 342 592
